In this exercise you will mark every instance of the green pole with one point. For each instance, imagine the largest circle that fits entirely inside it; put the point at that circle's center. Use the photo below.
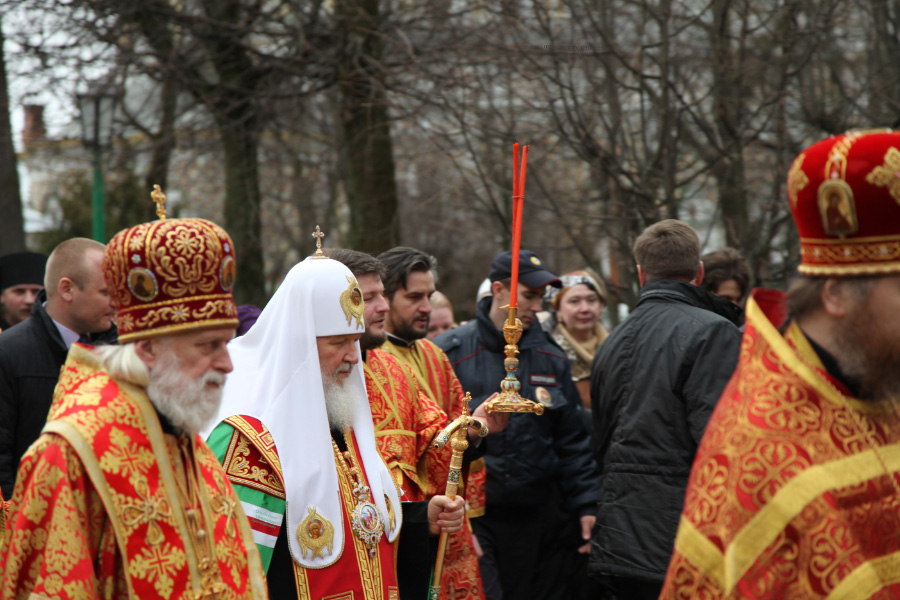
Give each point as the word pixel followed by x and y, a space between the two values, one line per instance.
pixel 97 193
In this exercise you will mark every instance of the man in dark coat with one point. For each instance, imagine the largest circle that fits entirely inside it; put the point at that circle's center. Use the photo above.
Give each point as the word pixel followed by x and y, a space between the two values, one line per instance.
pixel 542 482
pixel 74 307
pixel 21 278
pixel 654 384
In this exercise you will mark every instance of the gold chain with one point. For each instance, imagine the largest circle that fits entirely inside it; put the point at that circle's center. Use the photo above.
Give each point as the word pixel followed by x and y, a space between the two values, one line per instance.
pixel 352 472
pixel 212 584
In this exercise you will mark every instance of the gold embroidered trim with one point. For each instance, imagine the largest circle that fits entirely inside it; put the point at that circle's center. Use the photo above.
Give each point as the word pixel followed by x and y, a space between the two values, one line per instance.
pixel 886 175
pixel 369 568
pixel 239 470
pixel 700 552
pixel 869 577
pixel 846 270
pixel 301 580
pixel 158 331
pixel 797 179
pixel 849 251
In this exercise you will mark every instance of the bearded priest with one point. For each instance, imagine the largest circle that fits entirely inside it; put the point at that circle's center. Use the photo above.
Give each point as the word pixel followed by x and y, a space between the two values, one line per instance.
pixel 298 443
pixel 119 497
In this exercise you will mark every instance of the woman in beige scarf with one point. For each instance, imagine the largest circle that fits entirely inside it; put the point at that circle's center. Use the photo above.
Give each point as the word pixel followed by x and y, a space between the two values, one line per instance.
pixel 578 306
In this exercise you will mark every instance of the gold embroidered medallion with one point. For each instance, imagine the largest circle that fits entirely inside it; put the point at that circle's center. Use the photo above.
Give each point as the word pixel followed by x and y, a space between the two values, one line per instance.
pixel 353 305
pixel 314 533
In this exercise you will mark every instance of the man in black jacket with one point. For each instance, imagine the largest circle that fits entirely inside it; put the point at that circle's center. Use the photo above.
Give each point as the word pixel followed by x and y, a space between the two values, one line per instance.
pixel 74 307
pixel 539 462
pixel 654 384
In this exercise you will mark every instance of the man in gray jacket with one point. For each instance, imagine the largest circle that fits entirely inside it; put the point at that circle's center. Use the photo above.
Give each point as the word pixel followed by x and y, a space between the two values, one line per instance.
pixel 654 384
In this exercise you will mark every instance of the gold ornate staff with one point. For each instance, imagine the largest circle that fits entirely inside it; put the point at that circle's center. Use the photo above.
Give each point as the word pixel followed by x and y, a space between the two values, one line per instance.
pixel 455 433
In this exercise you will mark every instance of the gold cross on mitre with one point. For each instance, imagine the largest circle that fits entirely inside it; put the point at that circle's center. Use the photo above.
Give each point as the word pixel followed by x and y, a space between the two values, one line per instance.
pixel 318 234
pixel 160 199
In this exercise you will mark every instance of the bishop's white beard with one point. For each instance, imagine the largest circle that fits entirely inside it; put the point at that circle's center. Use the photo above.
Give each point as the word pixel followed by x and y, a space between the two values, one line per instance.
pixel 339 401
pixel 186 402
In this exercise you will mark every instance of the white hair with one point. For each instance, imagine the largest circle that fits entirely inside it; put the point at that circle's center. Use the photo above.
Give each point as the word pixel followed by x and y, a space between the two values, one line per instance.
pixel 122 362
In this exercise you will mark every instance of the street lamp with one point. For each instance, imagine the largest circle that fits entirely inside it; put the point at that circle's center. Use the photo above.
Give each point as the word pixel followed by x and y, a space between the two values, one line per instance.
pixel 97 107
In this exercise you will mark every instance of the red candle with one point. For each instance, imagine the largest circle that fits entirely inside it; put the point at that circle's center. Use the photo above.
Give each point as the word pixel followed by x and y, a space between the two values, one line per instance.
pixel 515 175
pixel 518 205
pixel 522 175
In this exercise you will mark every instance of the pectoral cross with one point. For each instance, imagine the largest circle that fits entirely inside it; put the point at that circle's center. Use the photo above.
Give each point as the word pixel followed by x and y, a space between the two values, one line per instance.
pixel 160 198
pixel 318 234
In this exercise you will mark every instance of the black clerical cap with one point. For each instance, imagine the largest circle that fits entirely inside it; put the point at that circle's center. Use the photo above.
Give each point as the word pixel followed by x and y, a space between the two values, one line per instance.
pixel 22 267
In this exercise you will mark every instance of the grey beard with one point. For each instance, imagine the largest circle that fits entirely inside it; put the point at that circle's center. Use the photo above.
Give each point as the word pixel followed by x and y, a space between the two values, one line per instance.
pixel 869 358
pixel 186 402
pixel 339 404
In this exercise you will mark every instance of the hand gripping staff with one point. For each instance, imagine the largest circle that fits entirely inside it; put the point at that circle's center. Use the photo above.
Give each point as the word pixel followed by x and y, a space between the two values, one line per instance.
pixel 455 433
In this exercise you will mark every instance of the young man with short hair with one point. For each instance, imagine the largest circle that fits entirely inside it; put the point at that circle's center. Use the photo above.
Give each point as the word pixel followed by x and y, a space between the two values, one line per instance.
pixel 654 383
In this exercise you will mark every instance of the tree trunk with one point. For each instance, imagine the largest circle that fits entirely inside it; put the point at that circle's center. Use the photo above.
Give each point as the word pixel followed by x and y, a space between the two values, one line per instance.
pixel 242 208
pixel 885 103
pixel 364 119
pixel 12 234
pixel 727 93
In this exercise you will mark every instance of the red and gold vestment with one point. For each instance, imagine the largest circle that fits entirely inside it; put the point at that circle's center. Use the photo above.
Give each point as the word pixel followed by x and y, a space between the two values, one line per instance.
pixel 406 421
pixel 109 506
pixel 252 464
pixel 795 489
pixel 436 377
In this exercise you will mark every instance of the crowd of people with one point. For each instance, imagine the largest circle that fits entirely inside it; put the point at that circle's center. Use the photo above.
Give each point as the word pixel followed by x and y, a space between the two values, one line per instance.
pixel 159 441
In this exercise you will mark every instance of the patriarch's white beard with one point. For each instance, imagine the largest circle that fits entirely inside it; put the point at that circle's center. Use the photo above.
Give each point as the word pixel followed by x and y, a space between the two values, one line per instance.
pixel 339 401
pixel 186 402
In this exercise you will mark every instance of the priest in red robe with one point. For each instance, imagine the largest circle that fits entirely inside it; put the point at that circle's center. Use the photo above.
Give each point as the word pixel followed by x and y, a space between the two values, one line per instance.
pixel 119 497
pixel 795 489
